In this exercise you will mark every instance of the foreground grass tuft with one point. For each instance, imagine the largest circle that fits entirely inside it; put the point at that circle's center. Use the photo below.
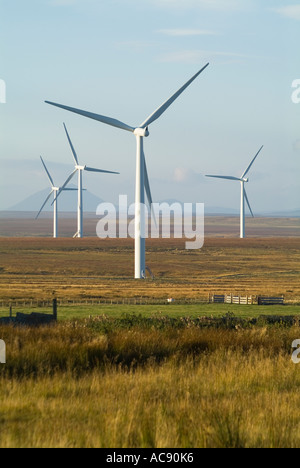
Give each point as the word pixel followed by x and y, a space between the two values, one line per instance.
pixel 136 384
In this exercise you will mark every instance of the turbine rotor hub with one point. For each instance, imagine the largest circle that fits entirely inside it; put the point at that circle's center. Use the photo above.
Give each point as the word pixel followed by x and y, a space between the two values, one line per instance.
pixel 142 132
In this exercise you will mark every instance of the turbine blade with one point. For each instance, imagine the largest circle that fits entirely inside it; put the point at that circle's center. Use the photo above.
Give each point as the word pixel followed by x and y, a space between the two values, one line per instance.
pixel 147 185
pixel 43 205
pixel 249 167
pixel 156 114
pixel 47 172
pixel 91 169
pixel 64 185
pixel 148 190
pixel 224 177
pixel 72 147
pixel 98 117
pixel 245 195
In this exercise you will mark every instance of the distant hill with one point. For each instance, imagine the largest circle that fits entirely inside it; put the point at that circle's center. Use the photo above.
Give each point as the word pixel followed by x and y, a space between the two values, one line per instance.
pixel 289 214
pixel 209 210
pixel 67 202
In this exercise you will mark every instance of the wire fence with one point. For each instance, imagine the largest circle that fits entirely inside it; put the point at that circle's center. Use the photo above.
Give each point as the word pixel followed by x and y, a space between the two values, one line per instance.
pixel 211 298
pixel 96 302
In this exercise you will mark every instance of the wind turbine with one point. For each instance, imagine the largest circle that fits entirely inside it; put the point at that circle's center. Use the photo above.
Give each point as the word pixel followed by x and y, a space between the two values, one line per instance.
pixel 142 179
pixel 55 191
pixel 79 169
pixel 244 196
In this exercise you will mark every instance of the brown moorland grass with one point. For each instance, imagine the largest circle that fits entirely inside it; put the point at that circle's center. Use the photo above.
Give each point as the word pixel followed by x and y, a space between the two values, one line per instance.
pixel 37 268
pixel 71 385
pixel 24 225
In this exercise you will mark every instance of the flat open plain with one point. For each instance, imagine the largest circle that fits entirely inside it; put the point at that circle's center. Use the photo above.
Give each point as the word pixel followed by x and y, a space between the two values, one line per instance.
pixel 267 263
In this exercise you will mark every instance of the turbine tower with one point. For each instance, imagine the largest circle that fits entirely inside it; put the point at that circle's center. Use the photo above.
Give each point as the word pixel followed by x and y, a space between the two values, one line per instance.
pixel 244 196
pixel 142 180
pixel 55 191
pixel 79 169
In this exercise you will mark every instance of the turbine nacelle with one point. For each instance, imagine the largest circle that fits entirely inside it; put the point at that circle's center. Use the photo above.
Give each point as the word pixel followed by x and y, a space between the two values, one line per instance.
pixel 245 180
pixel 142 132
pixel 80 168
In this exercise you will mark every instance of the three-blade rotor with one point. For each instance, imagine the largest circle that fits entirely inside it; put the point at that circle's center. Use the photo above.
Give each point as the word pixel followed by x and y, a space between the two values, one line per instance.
pixel 78 167
pixel 141 130
pixel 54 190
pixel 241 179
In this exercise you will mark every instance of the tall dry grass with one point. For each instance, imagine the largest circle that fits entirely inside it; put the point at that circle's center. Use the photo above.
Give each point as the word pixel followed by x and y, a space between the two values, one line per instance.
pixel 73 386
pixel 101 342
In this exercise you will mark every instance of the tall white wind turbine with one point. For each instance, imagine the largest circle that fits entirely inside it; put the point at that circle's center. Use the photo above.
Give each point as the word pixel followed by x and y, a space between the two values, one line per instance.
pixel 142 180
pixel 54 191
pixel 244 196
pixel 79 169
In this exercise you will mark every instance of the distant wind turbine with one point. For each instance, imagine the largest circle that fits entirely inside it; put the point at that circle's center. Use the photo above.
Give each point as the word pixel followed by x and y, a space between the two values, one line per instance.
pixel 244 196
pixel 79 169
pixel 54 191
pixel 142 179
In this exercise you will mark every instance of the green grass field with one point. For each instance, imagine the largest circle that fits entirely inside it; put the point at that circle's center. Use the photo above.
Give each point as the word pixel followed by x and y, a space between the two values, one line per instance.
pixel 177 311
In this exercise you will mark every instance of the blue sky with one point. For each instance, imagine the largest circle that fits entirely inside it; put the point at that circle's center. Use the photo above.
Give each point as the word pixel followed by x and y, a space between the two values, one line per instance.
pixel 123 58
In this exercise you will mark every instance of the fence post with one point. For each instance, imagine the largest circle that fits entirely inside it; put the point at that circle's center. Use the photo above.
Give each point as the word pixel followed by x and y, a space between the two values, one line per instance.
pixel 55 309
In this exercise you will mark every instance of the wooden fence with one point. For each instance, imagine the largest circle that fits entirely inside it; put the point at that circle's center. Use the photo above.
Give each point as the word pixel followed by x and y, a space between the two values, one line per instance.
pixel 246 300
pixel 243 300
pixel 232 299
pixel 270 300
pixel 217 299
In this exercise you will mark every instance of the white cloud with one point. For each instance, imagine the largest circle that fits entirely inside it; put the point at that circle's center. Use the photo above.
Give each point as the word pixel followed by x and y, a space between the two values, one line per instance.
pixel 181 174
pixel 184 175
pixel 186 32
pixel 195 56
pixel 296 146
pixel 290 11
pixel 223 5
